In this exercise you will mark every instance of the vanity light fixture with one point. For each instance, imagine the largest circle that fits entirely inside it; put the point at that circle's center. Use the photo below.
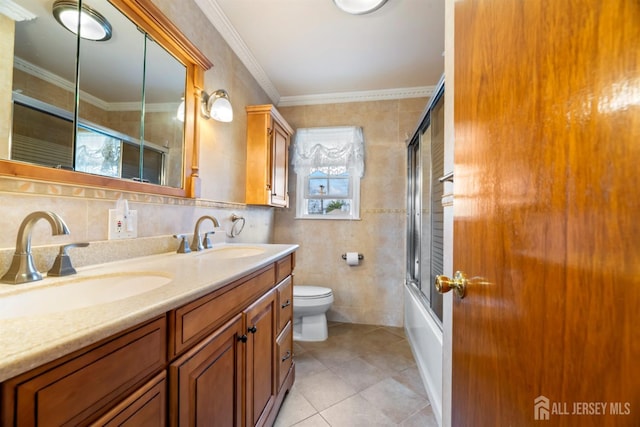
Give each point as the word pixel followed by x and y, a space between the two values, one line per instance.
pixel 359 7
pixel 217 106
pixel 93 26
pixel 180 112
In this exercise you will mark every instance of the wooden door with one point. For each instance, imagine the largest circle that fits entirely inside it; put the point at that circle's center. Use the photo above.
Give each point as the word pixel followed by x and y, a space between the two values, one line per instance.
pixel 547 198
pixel 260 321
pixel 206 382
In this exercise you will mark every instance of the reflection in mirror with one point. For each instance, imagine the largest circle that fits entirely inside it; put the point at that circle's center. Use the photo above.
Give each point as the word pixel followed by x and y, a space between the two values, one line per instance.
pixel 129 89
pixel 163 130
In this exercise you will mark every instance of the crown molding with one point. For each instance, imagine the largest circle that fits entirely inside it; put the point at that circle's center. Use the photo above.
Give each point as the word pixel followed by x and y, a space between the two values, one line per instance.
pixel 15 11
pixel 361 96
pixel 216 16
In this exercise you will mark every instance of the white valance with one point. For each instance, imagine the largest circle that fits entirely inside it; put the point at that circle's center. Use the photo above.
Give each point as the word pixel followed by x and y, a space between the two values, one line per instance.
pixel 329 146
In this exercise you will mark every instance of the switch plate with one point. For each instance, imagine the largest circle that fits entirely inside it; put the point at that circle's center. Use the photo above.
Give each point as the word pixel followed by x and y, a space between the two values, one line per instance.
pixel 118 229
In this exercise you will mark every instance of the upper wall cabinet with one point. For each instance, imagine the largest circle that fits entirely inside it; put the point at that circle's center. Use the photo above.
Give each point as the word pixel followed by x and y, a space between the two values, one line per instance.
pixel 118 110
pixel 268 138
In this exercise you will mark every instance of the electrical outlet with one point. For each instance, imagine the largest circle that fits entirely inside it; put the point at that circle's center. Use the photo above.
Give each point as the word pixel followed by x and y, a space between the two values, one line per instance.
pixel 118 226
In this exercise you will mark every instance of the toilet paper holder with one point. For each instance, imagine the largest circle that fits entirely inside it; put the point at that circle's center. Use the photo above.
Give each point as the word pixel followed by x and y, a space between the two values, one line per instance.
pixel 360 256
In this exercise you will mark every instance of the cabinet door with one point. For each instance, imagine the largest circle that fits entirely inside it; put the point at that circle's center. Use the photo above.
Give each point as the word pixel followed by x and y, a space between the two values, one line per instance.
pixel 260 320
pixel 147 407
pixel 206 382
pixel 279 165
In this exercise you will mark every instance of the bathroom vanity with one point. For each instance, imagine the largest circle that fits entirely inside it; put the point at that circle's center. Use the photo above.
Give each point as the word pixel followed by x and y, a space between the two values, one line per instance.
pixel 212 346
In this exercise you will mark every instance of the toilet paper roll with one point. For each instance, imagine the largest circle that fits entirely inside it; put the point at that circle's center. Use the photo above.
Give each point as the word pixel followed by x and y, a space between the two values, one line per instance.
pixel 352 258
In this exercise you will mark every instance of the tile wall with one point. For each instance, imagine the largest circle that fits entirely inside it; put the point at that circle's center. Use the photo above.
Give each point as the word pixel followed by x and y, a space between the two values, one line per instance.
pixel 372 292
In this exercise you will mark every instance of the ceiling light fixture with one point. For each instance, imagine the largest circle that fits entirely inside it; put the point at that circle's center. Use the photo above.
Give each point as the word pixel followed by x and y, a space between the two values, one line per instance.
pixel 359 7
pixel 93 26
pixel 217 106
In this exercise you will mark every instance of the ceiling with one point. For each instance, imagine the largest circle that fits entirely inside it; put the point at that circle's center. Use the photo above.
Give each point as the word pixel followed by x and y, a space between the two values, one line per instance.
pixel 309 51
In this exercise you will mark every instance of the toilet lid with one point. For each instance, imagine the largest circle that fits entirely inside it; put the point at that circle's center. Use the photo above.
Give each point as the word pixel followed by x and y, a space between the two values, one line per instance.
pixel 310 291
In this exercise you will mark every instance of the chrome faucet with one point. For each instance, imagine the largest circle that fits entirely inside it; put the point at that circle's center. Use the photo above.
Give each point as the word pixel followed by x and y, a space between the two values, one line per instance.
pixel 197 243
pixel 22 269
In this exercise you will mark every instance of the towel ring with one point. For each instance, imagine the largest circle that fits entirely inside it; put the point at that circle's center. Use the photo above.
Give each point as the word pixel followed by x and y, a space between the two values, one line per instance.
pixel 237 226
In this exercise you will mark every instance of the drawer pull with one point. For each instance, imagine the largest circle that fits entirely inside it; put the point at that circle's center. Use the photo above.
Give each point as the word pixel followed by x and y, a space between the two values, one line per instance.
pixel 253 329
pixel 286 356
pixel 286 304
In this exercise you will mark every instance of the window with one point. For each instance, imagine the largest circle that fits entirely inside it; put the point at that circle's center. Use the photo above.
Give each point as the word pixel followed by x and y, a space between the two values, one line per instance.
pixel 329 163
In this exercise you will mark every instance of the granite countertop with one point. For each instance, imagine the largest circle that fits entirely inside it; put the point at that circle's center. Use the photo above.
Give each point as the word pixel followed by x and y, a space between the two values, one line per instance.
pixel 32 337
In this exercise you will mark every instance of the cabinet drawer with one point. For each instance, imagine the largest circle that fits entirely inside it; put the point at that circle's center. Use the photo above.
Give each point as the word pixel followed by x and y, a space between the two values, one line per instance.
pixel 285 302
pixel 284 267
pixel 195 320
pixel 284 350
pixel 147 407
pixel 84 385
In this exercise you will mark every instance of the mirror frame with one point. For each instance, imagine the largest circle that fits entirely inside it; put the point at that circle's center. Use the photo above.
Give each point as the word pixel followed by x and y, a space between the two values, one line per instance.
pixel 147 16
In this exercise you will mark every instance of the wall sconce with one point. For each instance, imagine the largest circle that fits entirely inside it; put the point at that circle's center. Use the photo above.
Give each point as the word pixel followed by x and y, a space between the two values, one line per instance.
pixel 93 26
pixel 359 7
pixel 180 112
pixel 217 106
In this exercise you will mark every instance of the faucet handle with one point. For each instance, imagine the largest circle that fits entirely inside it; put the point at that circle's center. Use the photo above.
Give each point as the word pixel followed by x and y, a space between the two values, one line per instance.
pixel 62 264
pixel 206 242
pixel 184 244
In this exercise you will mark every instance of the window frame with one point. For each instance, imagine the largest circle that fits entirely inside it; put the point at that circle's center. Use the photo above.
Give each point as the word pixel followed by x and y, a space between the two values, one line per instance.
pixel 303 196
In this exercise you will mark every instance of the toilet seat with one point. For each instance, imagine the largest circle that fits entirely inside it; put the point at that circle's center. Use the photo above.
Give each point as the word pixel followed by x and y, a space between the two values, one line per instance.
pixel 311 292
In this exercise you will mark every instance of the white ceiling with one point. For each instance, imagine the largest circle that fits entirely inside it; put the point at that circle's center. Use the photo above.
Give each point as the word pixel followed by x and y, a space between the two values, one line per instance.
pixel 309 51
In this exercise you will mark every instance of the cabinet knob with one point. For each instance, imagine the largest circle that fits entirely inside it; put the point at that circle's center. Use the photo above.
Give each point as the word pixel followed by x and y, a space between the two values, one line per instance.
pixel 242 338
pixel 253 329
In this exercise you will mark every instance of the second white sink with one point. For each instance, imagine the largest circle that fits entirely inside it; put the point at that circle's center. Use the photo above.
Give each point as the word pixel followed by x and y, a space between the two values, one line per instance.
pixel 80 292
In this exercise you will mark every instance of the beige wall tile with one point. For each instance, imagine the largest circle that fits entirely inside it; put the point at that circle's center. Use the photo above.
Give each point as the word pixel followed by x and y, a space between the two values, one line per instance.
pixel 371 292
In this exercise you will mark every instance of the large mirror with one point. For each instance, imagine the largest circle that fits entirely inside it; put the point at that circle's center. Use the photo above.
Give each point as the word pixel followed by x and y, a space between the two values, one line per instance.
pixel 112 110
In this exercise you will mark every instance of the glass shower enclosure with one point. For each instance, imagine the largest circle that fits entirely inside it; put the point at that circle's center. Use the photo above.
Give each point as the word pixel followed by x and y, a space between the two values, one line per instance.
pixel 425 169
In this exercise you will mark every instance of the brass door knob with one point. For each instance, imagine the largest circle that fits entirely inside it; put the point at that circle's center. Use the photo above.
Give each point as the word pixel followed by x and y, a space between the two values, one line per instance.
pixel 459 283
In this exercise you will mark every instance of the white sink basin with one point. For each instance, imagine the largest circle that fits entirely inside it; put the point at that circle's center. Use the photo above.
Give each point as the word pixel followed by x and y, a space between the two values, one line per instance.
pixel 232 251
pixel 80 292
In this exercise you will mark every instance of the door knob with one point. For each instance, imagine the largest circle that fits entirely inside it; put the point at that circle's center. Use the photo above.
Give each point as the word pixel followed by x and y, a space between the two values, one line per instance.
pixel 459 284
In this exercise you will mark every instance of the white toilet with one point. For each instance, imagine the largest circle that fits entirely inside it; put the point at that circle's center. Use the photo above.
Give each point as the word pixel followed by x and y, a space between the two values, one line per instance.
pixel 310 305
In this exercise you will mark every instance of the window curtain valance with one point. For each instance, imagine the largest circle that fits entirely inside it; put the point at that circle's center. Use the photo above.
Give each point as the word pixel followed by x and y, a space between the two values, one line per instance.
pixel 328 146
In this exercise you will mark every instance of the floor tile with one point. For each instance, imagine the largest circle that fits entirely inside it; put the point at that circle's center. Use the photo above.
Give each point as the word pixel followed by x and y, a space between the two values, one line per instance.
pixel 424 418
pixel 324 389
pixel 355 412
pixel 360 374
pixel 314 421
pixel 394 399
pixel 411 378
pixel 363 375
pixel 294 409
pixel 307 365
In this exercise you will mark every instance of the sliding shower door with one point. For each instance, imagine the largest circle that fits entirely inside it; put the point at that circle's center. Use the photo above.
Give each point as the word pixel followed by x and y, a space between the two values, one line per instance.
pixel 424 204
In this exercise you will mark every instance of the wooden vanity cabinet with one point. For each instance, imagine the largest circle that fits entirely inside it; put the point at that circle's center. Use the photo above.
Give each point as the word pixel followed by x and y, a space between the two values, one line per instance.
pixel 268 138
pixel 232 375
pixel 223 359
pixel 78 388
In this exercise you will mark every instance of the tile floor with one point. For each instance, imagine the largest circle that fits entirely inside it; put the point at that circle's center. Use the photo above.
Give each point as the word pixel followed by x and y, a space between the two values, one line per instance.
pixel 363 375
